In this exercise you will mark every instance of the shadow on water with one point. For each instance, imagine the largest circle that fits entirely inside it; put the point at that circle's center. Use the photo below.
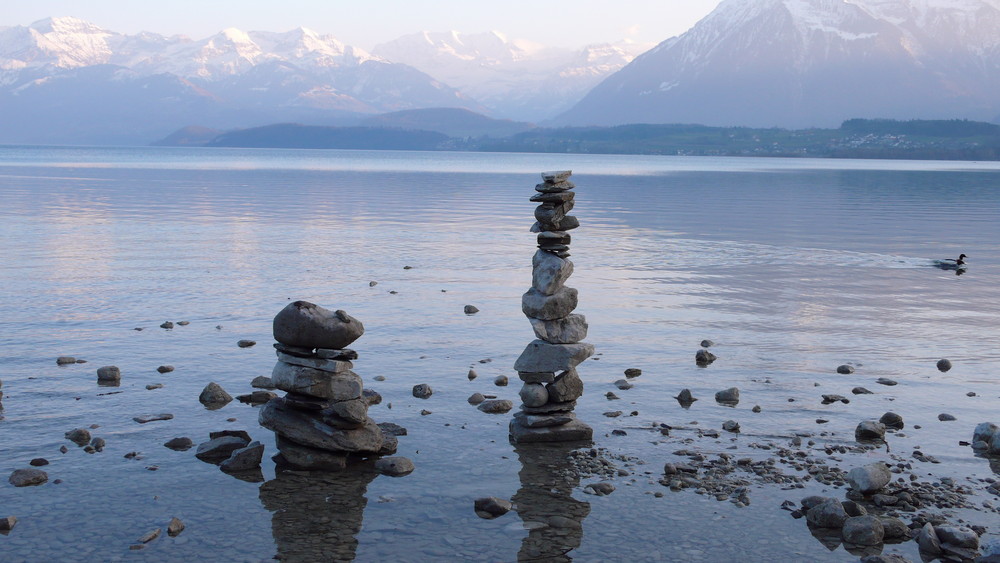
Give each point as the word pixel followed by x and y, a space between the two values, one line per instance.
pixel 316 516
pixel 544 502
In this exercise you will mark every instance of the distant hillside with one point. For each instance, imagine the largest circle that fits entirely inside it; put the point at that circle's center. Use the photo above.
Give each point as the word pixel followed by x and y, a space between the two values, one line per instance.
pixel 294 136
pixel 454 122
pixel 856 138
pixel 190 136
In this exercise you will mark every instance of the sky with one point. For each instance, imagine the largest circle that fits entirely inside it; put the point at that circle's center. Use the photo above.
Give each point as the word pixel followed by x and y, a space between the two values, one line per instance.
pixel 366 23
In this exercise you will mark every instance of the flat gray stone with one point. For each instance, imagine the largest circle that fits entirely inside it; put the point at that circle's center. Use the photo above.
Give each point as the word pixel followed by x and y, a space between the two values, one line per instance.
pixel 567 387
pixel 556 176
pixel 316 383
pixel 27 477
pixel 537 305
pixel 540 356
pixel 572 431
pixel 244 459
pixel 495 406
pixel 395 466
pixel 307 325
pixel 567 330
pixel 144 418
pixel 550 408
pixel 543 421
pixel 345 354
pixel 541 377
pixel 549 272
pixel 321 364
pixel 179 444
pixel 262 382
pixel 305 429
pixel 219 448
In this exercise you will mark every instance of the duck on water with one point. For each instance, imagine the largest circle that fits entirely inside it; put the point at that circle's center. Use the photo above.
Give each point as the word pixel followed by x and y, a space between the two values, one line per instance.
pixel 951 264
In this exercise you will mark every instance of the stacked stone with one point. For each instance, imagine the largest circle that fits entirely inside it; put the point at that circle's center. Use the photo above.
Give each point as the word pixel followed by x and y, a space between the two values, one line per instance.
pixel 322 420
pixel 547 366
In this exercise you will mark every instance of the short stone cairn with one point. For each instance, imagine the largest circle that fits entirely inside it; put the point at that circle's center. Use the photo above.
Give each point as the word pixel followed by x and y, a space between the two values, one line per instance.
pixel 322 421
pixel 548 364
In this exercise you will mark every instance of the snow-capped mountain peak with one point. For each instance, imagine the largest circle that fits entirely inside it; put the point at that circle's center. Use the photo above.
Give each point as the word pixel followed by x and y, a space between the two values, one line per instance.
pixel 800 63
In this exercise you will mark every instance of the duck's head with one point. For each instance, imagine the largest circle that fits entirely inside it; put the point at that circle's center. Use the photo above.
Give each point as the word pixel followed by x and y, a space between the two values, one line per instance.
pixel 961 259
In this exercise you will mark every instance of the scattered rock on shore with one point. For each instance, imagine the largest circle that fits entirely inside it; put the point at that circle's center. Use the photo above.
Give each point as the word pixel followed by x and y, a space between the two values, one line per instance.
pixel 422 391
pixel 175 527
pixel 28 477
pixel 108 374
pixel 394 466
pixel 870 478
pixel 246 343
pixel 869 430
pixel 845 369
pixel 7 523
pixel 492 507
pixel 214 395
pixel 728 396
pixel 179 444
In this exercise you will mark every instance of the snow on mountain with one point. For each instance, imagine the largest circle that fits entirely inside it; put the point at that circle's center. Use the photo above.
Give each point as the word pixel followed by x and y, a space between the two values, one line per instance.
pixel 514 78
pixel 231 79
pixel 801 63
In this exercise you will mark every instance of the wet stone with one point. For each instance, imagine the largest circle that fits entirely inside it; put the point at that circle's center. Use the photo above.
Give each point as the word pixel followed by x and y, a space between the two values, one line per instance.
pixel 394 466
pixel 943 365
pixel 869 430
pixel 27 477
pixel 165 369
pixel 892 420
pixel 79 436
pixel 179 444
pixel 845 369
pixel 214 394
pixel 861 391
pixel 246 343
pixel 143 419
pixel 307 325
pixel 422 391
pixel 703 357
pixel 491 507
pixel 109 373
pixel 496 406
pixel 220 448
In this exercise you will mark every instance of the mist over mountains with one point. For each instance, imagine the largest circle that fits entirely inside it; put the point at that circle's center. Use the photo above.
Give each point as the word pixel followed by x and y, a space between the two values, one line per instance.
pixel 757 63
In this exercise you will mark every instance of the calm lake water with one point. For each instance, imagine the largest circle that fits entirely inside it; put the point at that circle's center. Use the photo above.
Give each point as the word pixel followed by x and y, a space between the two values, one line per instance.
pixel 792 267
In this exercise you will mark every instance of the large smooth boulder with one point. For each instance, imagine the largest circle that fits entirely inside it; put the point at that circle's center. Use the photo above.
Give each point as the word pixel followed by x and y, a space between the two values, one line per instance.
pixel 315 383
pixel 28 477
pixel 567 330
pixel 863 530
pixel 869 430
pixel 549 272
pixel 542 357
pixel 537 305
pixel 870 478
pixel 307 325
pixel 829 513
pixel 308 430
pixel 214 394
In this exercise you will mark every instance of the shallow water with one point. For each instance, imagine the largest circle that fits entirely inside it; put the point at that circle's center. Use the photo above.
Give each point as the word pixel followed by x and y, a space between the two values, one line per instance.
pixel 792 267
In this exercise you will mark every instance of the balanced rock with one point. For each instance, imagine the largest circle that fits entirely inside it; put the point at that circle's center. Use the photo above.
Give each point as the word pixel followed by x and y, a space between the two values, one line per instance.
pixel 549 272
pixel 534 394
pixel 537 305
pixel 567 387
pixel 305 429
pixel 317 363
pixel 542 357
pixel 317 383
pixel 567 330
pixel 307 325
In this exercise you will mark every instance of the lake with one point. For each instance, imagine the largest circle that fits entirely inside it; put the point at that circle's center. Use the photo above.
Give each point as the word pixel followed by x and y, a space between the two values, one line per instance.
pixel 792 267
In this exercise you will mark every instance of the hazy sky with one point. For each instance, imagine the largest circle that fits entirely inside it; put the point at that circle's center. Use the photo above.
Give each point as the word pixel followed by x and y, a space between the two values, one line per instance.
pixel 365 23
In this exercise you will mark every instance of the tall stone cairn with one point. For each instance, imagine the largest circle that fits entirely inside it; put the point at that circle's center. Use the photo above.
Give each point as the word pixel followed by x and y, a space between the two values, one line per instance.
pixel 322 421
pixel 548 365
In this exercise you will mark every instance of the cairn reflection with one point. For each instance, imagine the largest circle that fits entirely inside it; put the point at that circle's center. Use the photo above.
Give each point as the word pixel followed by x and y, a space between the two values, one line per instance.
pixel 545 503
pixel 316 516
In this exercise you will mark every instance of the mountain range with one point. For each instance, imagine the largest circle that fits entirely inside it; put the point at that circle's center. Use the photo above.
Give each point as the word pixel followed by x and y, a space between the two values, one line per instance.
pixel 758 63
pixel 806 63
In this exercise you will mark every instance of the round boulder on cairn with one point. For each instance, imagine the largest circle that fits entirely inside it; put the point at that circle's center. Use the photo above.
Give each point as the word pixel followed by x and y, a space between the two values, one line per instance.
pixel 322 422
